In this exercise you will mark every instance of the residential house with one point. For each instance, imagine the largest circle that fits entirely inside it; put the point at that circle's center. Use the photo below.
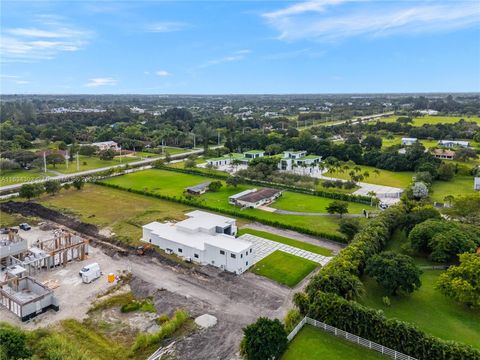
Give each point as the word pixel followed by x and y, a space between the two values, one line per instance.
pixel 443 154
pixel 198 189
pixel 292 159
pixel 203 238
pixel 408 141
pixel 453 143
pixel 105 145
pixel 254 198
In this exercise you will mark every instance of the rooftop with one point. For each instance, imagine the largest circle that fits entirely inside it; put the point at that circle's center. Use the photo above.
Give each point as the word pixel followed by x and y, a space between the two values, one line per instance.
pixel 198 187
pixel 258 195
pixel 309 157
pixel 254 152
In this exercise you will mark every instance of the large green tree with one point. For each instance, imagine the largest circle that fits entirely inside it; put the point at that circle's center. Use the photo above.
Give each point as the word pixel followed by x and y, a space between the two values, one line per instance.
pixel 337 207
pixel 466 209
pixel 29 191
pixel 394 272
pixel 52 187
pixel 462 282
pixel 265 339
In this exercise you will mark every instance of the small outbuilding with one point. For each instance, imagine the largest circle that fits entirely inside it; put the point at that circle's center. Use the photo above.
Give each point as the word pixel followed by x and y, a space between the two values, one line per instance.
pixel 198 189
pixel 254 198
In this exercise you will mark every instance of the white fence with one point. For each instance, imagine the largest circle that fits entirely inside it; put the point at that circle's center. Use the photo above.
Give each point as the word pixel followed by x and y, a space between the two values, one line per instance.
pixel 350 337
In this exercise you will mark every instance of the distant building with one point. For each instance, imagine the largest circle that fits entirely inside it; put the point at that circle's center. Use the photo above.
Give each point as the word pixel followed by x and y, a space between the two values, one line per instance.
pixel 198 189
pixel 408 141
pixel 204 238
pixel 476 184
pixel 254 198
pixel 444 154
pixel 453 143
pixel 292 159
pixel 428 112
pixel 243 159
pixel 105 145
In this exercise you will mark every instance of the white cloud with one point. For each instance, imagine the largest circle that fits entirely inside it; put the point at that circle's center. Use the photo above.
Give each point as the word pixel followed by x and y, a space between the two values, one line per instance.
pixel 235 56
pixel 162 73
pixel 22 82
pixel 46 41
pixel 101 82
pixel 166 26
pixel 312 20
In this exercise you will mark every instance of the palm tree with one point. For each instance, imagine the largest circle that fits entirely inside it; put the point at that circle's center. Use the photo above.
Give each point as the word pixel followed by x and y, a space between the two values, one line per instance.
pixel 205 132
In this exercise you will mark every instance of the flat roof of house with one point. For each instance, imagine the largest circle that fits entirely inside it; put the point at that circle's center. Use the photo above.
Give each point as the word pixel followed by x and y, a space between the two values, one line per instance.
pixel 409 139
pixel 309 157
pixel 105 143
pixel 296 152
pixel 258 195
pixel 176 232
pixel 454 142
pixel 199 187
pixel 254 152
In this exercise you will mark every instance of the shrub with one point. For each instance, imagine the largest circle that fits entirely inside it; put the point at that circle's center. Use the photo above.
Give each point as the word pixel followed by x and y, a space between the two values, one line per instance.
pixel 292 318
pixel 349 227
pixel 13 342
pixel 264 340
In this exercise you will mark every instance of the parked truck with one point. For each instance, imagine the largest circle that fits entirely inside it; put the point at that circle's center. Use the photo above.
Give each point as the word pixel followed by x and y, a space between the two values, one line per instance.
pixel 90 273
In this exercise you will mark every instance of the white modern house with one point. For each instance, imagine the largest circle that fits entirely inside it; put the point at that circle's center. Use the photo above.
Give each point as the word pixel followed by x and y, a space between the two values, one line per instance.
pixel 408 141
pixel 242 159
pixel 105 145
pixel 204 238
pixel 292 159
pixel 453 143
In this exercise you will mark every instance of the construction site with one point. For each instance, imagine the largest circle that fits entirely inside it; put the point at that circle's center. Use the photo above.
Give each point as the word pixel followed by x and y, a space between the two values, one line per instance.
pixel 28 266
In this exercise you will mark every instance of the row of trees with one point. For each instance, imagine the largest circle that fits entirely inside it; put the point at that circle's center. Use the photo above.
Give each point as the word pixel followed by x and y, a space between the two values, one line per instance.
pixel 51 187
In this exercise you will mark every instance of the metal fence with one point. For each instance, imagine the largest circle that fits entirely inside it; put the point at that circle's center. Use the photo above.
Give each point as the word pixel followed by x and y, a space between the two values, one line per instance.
pixel 350 337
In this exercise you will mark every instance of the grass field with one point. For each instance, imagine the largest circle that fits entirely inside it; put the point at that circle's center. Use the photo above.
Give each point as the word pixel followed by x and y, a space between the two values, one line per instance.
pixel 397 140
pixel 315 344
pixel 91 162
pixel 284 268
pixel 10 177
pixel 281 239
pixel 387 178
pixel 458 186
pixel 300 202
pixel 173 184
pixel 428 119
pixel 427 308
pixel 123 212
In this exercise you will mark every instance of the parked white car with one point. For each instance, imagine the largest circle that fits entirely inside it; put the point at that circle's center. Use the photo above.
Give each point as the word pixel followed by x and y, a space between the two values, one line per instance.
pixel 90 273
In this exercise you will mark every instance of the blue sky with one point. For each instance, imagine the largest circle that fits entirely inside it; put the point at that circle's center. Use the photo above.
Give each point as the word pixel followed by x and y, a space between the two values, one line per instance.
pixel 217 47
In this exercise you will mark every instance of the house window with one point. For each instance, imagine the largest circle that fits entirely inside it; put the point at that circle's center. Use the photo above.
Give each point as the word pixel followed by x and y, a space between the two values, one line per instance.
pixel 241 255
pixel 149 240
pixel 246 254
pixel 250 251
pixel 180 250
pixel 233 256
pixel 222 252
pixel 246 263
pixel 195 255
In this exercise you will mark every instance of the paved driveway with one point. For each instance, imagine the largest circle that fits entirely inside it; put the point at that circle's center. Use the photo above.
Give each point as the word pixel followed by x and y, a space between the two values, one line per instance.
pixel 264 247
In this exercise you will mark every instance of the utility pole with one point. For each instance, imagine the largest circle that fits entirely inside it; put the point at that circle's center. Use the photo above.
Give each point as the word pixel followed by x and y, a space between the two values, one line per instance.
pixel 121 154
pixel 44 162
pixel 163 147
pixel 194 143
pixel 218 138
pixel 66 159
pixel 78 162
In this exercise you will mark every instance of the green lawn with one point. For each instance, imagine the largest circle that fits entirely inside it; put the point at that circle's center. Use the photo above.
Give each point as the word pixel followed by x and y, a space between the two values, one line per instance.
pixel 284 268
pixel 458 186
pixel 123 212
pixel 315 344
pixel 91 162
pixel 388 178
pixel 300 202
pixel 173 184
pixel 10 177
pixel 426 308
pixel 428 119
pixel 296 243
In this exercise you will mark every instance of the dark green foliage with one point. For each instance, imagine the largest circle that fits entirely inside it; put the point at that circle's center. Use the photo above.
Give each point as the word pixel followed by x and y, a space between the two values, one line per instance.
pixel 78 183
pixel 337 207
pixel 55 159
pixel 13 343
pixel 264 340
pixel 87 150
pixel 418 215
pixel 446 171
pixel 215 186
pixel 394 272
pixel 52 187
pixel 107 154
pixel 339 282
pixel 349 227
pixel 443 240
pixel 30 191
pixel 372 324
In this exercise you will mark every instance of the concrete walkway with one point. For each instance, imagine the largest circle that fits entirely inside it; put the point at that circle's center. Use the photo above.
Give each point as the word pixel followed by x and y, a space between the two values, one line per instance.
pixel 264 247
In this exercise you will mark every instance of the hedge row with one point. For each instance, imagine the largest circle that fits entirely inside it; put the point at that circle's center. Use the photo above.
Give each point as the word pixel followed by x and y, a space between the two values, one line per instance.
pixel 233 212
pixel 366 200
pixel 373 325
pixel 328 293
